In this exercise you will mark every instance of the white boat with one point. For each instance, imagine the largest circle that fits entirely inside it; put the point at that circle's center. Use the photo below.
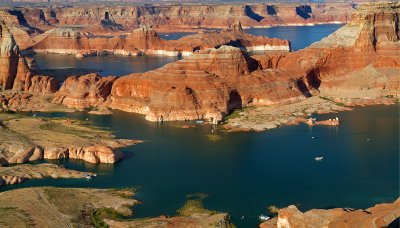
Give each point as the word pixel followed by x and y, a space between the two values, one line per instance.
pixel 200 121
pixel 264 217
pixel 88 177
pixel 318 158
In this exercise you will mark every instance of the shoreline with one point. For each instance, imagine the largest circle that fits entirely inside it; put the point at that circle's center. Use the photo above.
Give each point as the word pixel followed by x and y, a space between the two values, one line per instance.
pixel 303 110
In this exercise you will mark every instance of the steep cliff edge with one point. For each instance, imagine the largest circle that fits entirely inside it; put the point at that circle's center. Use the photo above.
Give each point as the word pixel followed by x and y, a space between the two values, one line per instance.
pixel 206 85
pixel 146 40
pixel 356 65
pixel 100 19
pixel 14 70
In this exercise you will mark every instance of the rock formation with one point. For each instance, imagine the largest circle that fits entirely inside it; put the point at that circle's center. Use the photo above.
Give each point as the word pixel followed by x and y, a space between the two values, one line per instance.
pixel 145 40
pixel 18 174
pixel 211 83
pixel 381 215
pixel 9 55
pixel 24 139
pixel 14 70
pixel 361 55
pixel 208 84
pixel 85 91
pixel 174 17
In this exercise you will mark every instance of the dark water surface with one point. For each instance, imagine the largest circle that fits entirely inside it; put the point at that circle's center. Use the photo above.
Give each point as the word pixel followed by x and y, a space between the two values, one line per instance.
pixel 244 173
pixel 174 35
pixel 115 65
pixel 299 36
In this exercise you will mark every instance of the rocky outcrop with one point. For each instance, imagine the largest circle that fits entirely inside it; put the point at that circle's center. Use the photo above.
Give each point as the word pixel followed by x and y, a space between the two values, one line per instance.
pixel 357 56
pixel 92 154
pixel 207 85
pixel 381 215
pixel 83 92
pixel 14 70
pixel 17 174
pixel 9 55
pixel 24 139
pixel 145 40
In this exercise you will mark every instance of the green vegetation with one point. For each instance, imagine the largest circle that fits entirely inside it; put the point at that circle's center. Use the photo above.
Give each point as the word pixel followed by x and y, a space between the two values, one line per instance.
pixel 64 129
pixel 331 100
pixel 126 193
pixel 214 137
pixel 273 209
pixel 99 215
pixel 194 205
pixel 15 214
pixel 238 112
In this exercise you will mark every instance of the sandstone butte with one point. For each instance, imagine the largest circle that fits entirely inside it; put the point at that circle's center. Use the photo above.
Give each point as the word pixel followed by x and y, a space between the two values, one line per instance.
pixel 381 215
pixel 146 40
pixel 111 19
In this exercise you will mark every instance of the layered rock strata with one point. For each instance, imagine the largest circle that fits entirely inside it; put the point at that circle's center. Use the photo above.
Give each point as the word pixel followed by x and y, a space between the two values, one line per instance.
pixel 14 70
pixel 145 40
pixel 24 139
pixel 381 215
pixel 360 57
pixel 18 174
pixel 85 91
pixel 110 19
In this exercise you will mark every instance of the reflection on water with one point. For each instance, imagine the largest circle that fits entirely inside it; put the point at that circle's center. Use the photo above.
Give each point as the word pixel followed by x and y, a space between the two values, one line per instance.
pixel 244 173
pixel 174 35
pixel 115 65
pixel 299 36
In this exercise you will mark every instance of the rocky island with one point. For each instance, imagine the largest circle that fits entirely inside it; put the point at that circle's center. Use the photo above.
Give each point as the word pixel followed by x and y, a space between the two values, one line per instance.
pixel 218 79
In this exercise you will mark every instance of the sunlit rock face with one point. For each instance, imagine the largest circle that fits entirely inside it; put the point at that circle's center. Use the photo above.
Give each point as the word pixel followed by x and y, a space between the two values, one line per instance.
pixel 208 84
pixel 146 40
pixel 14 70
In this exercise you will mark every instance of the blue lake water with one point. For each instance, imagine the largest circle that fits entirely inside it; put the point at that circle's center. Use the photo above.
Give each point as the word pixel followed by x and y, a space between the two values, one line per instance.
pixel 299 36
pixel 115 65
pixel 244 173
pixel 174 35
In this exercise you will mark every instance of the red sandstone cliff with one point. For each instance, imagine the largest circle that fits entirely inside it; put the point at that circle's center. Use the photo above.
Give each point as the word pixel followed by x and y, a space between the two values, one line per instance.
pixel 363 54
pixel 14 71
pixel 146 40
pixel 110 19
pixel 84 92
pixel 381 215
pixel 210 83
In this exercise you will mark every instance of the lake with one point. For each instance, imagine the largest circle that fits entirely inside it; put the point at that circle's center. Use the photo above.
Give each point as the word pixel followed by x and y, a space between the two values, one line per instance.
pixel 244 173
pixel 116 65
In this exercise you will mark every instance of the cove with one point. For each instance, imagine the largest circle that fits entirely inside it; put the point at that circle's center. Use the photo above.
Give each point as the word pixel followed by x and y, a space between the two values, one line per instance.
pixel 299 36
pixel 115 65
pixel 244 173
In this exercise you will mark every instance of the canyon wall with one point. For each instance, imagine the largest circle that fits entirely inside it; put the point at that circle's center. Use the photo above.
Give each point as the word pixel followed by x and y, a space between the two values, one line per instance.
pixel 14 70
pixel 361 56
pixel 145 40
pixel 113 18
